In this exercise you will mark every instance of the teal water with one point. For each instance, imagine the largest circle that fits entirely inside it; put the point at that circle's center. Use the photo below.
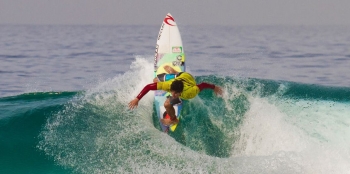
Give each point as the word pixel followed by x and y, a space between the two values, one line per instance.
pixel 21 121
pixel 258 126
pixel 64 91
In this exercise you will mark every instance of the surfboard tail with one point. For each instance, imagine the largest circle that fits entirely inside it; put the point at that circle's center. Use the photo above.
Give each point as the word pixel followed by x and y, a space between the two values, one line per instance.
pixel 174 126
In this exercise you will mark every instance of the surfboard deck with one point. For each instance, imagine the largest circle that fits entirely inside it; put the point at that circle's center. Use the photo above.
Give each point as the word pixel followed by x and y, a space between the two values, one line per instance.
pixel 169 52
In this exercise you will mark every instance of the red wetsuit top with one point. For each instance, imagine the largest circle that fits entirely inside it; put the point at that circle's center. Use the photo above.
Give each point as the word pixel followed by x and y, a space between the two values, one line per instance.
pixel 153 86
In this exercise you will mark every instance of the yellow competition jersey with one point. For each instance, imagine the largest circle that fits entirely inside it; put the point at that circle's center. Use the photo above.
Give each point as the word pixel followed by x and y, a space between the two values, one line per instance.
pixel 190 87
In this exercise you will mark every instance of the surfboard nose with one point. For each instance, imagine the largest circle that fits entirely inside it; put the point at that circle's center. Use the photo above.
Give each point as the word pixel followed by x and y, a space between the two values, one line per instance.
pixel 169 20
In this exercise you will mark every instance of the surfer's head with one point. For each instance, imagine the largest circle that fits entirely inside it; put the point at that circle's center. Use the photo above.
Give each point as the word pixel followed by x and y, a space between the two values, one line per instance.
pixel 176 87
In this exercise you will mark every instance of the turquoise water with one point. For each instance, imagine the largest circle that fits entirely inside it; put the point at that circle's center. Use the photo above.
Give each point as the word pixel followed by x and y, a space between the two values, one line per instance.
pixel 258 126
pixel 60 114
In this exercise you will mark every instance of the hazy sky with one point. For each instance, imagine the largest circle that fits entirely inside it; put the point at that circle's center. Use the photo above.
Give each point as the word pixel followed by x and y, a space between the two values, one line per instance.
pixel 226 12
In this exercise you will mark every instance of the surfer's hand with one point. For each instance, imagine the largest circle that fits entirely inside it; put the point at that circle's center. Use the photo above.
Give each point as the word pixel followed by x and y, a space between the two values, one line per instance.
pixel 133 104
pixel 167 122
pixel 218 90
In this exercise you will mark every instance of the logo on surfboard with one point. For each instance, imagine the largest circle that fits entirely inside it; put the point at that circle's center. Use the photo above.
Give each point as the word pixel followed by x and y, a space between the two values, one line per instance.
pixel 177 49
pixel 179 61
pixel 167 18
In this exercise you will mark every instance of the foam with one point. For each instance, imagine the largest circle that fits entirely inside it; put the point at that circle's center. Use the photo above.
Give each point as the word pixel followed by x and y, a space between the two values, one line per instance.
pixel 96 133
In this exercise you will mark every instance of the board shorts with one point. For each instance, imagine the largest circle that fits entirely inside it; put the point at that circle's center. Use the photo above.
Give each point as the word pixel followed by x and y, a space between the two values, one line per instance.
pixel 174 101
pixel 165 77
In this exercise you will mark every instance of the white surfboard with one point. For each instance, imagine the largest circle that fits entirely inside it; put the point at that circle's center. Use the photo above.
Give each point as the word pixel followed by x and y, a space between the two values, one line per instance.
pixel 169 51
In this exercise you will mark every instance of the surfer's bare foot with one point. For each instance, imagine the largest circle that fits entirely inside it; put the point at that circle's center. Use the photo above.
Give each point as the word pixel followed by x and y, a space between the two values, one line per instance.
pixel 170 70
pixel 168 122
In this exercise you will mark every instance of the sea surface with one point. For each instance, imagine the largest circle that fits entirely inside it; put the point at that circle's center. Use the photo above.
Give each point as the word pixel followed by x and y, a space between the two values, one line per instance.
pixel 64 91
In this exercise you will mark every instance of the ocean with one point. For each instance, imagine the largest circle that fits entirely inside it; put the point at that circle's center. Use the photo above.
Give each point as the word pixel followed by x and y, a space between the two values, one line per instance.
pixel 64 91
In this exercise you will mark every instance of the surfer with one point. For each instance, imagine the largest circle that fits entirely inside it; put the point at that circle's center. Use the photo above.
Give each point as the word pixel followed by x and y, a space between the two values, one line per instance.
pixel 180 85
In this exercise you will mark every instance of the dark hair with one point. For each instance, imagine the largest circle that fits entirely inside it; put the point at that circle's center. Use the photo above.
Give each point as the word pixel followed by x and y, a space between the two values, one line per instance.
pixel 177 86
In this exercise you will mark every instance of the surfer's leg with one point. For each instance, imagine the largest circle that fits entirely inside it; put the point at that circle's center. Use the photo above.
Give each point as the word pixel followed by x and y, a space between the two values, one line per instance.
pixel 155 80
pixel 169 108
pixel 170 70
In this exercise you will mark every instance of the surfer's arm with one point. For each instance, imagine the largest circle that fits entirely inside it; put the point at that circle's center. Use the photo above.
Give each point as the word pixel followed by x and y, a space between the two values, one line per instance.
pixel 217 89
pixel 204 85
pixel 151 86
pixel 133 103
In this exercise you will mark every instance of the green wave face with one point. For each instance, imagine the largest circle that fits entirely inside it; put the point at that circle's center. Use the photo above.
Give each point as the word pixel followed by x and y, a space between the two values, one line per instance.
pixel 258 126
